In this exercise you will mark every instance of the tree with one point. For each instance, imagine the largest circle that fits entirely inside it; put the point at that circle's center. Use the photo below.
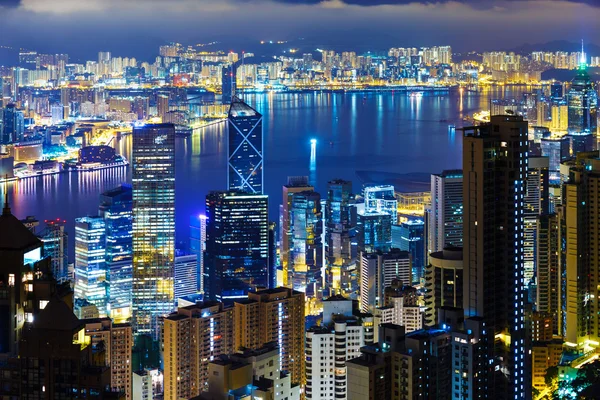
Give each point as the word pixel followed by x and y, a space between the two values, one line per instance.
pixel 588 374
pixel 551 376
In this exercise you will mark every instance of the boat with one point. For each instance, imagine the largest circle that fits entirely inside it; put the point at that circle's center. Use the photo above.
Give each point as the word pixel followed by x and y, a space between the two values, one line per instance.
pixel 417 94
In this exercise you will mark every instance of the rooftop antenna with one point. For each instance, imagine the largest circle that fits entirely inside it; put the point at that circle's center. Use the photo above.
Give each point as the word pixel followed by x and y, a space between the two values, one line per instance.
pixel 582 59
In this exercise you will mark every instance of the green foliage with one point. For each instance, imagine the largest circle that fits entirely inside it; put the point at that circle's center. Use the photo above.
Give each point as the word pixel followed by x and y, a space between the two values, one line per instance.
pixel 551 376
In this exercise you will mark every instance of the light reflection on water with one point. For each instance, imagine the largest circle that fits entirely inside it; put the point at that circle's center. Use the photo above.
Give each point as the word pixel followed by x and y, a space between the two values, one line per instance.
pixel 389 132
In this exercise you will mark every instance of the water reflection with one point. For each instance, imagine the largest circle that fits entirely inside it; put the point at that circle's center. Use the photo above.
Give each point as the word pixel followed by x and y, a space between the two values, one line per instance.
pixel 389 132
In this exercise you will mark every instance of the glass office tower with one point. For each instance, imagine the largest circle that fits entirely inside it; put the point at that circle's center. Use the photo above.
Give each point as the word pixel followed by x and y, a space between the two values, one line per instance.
pixel 382 199
pixel 90 268
pixel 582 101
pixel 116 208
pixel 410 236
pixel 236 259
pixel 245 148
pixel 198 245
pixel 340 240
pixel 153 163
pixel 55 239
pixel 306 250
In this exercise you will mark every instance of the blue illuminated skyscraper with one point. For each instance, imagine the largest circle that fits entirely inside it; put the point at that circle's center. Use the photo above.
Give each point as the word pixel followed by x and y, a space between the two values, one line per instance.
pixel 55 239
pixel 153 176
pixel 90 266
pixel 236 259
pixel 409 236
pixel 374 231
pixel 116 207
pixel 245 148
pixel 198 245
pixel 341 275
pixel 583 109
pixel 12 124
pixel 186 274
pixel 382 199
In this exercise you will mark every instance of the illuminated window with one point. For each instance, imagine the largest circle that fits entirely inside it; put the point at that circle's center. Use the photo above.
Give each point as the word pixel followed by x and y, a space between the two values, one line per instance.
pixel 11 279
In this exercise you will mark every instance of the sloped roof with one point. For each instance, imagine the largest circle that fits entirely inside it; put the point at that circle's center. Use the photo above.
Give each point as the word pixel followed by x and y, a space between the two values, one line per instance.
pixel 14 235
pixel 239 108
pixel 57 316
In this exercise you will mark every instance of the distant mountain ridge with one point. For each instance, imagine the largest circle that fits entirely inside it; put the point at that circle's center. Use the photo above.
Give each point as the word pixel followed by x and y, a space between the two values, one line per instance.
pixel 557 45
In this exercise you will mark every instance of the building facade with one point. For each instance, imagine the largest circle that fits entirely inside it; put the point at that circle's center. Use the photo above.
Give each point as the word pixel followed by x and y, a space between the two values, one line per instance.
pixel 91 278
pixel 116 208
pixel 236 259
pixel 245 148
pixel 153 176
pixel 446 217
pixel 495 171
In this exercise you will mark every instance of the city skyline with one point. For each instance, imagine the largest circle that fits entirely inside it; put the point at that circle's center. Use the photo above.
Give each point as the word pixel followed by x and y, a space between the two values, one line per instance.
pixel 332 23
pixel 236 209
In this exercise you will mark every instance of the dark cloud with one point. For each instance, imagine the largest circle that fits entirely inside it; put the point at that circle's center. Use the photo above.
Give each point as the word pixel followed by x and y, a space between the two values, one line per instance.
pixel 10 3
pixel 475 3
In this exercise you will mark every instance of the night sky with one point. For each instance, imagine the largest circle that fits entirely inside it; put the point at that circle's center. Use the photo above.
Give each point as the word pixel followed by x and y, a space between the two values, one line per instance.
pixel 137 27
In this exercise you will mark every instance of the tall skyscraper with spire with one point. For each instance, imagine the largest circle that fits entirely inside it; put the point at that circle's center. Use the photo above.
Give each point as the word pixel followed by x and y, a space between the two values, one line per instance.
pixel 245 148
pixel 583 110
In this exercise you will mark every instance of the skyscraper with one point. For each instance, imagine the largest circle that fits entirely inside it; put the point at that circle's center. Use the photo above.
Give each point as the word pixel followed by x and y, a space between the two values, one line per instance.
pixel 162 105
pixel 495 170
pixel 537 202
pixel 153 177
pixel 306 247
pixel 581 204
pixel 245 148
pixel 340 244
pixel 444 282
pixel 377 271
pixel 228 83
pixel 91 278
pixel 410 236
pixel 273 315
pixel 194 336
pixel 549 270
pixel 236 259
pixel 116 210
pixel 198 244
pixel 557 150
pixel 13 125
pixel 185 274
pixel 381 198
pixel 446 218
pixel 374 231
pixel 583 105
pixel 295 184
pixel 344 336
pixel 55 239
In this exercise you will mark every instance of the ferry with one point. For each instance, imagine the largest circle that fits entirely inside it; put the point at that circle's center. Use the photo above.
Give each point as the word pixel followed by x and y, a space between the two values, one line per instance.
pixel 416 94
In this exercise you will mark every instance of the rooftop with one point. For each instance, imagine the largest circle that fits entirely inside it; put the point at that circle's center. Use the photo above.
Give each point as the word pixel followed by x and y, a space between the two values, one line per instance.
pixel 57 316
pixel 239 108
pixel 13 234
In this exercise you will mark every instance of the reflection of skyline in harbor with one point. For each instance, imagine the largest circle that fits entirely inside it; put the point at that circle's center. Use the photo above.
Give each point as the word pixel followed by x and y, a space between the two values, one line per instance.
pixel 313 162
pixel 354 131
